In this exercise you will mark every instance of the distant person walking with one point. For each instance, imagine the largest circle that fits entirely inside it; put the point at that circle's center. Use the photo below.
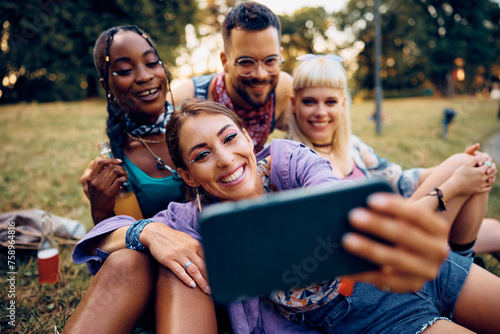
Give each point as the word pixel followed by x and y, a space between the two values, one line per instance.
pixel 495 95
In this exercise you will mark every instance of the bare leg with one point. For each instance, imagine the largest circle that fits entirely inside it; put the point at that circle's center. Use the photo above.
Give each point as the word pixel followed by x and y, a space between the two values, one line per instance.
pixel 468 222
pixel 464 213
pixel 446 327
pixel 440 174
pixel 488 238
pixel 479 301
pixel 117 295
pixel 182 309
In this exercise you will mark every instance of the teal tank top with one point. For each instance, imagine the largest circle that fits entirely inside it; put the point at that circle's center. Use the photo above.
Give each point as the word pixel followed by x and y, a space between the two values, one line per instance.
pixel 153 194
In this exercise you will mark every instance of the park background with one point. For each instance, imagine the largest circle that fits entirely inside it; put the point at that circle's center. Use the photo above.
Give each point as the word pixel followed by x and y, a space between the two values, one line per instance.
pixel 435 55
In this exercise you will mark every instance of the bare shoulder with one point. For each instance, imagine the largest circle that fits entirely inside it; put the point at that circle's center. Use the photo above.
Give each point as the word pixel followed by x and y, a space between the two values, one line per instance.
pixel 182 92
pixel 285 84
pixel 284 91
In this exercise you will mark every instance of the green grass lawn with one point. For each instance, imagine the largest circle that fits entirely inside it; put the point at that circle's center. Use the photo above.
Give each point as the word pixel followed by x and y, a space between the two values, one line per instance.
pixel 46 147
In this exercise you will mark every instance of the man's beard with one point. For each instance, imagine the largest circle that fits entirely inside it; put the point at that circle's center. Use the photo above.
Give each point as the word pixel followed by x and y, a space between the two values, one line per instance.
pixel 247 98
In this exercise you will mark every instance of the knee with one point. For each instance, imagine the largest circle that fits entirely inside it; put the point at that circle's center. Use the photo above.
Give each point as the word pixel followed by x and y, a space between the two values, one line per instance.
pixel 166 276
pixel 169 284
pixel 127 264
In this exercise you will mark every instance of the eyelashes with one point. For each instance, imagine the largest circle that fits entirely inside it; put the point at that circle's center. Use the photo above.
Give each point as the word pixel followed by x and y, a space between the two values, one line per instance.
pixel 126 72
pixel 205 153
pixel 230 137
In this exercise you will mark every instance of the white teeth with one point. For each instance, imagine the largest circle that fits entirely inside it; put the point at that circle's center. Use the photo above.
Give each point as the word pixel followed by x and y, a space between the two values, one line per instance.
pixel 320 124
pixel 233 176
pixel 147 92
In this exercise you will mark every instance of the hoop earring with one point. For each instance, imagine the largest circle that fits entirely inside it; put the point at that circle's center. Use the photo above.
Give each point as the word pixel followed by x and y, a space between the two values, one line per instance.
pixel 198 199
pixel 111 98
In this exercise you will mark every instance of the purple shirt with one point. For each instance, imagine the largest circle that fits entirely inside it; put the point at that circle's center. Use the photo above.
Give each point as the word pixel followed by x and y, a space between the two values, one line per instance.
pixel 293 165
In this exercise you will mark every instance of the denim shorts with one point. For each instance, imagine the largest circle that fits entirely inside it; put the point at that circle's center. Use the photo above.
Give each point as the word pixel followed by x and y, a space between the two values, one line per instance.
pixel 370 310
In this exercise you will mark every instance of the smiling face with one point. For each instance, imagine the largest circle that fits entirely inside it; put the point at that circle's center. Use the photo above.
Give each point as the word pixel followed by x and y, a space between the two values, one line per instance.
pixel 136 77
pixel 255 90
pixel 219 157
pixel 318 111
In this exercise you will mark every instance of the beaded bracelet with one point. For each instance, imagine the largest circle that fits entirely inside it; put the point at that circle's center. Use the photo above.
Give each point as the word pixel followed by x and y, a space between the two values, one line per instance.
pixel 441 202
pixel 132 236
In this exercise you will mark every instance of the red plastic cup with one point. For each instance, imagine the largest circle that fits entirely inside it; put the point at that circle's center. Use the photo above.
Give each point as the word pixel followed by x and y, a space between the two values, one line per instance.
pixel 48 265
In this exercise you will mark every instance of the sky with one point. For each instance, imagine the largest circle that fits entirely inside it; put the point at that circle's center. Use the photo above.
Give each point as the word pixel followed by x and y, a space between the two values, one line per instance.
pixel 289 6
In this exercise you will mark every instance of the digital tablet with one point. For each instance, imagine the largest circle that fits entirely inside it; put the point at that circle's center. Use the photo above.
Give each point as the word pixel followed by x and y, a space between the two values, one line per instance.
pixel 286 240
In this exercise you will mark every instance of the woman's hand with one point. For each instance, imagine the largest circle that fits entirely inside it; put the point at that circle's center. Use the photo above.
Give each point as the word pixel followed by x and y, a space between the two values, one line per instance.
pixel 104 178
pixel 472 149
pixel 483 156
pixel 417 242
pixel 472 177
pixel 85 176
pixel 175 249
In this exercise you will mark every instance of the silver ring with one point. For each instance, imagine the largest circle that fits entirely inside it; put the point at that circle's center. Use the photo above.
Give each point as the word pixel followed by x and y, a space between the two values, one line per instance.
pixel 487 163
pixel 188 264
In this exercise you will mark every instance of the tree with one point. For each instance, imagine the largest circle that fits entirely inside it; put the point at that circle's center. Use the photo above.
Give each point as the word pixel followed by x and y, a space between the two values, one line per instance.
pixel 302 31
pixel 464 37
pixel 425 42
pixel 46 48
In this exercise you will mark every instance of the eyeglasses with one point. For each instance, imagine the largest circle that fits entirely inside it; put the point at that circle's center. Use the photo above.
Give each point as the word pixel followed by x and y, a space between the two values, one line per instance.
pixel 310 56
pixel 246 66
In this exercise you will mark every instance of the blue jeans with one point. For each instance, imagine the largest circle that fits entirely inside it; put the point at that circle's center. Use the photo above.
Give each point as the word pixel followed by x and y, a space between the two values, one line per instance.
pixel 370 310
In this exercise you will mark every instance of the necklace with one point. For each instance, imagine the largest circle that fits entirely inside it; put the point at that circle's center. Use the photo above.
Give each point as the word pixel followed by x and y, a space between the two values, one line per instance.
pixel 317 149
pixel 160 164
pixel 145 140
pixel 329 153
pixel 322 145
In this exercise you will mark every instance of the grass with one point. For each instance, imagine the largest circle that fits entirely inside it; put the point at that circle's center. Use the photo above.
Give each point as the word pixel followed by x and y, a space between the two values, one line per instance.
pixel 46 147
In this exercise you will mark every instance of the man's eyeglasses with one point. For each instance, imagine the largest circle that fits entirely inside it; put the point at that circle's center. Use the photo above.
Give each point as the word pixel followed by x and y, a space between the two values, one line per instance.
pixel 246 66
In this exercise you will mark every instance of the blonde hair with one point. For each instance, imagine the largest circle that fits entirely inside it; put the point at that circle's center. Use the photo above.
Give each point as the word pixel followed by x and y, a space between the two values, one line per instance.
pixel 321 71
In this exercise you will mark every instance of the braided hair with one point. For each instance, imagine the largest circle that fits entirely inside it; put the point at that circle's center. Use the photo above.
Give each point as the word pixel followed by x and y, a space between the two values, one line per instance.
pixel 115 123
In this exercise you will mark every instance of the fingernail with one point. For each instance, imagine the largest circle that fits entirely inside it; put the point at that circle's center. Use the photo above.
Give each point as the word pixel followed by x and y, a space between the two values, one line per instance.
pixel 359 215
pixel 208 290
pixel 192 284
pixel 351 240
pixel 377 200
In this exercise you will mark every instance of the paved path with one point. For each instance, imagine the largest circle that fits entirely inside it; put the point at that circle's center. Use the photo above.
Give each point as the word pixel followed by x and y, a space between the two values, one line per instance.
pixel 492 146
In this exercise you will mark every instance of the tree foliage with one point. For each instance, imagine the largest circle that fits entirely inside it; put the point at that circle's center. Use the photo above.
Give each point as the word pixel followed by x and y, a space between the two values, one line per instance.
pixel 425 43
pixel 46 45
pixel 301 32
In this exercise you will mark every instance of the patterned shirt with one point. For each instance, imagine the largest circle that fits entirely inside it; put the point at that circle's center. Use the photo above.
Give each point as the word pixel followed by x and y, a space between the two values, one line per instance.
pixel 305 298
pixel 257 122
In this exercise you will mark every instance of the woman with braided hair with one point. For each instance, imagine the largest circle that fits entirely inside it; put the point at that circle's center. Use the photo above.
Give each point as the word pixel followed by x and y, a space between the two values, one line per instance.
pixel 136 83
